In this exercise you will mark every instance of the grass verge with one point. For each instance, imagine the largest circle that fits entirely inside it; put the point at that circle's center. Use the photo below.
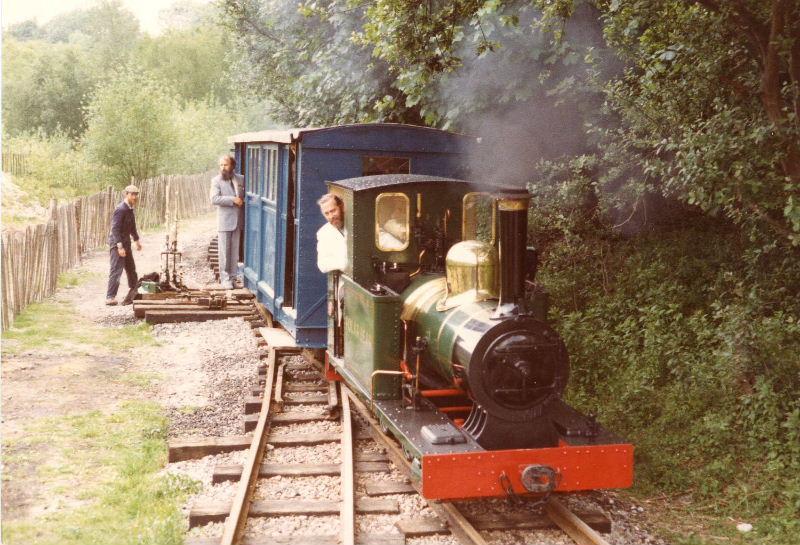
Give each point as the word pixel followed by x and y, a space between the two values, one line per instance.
pixel 114 461
pixel 55 327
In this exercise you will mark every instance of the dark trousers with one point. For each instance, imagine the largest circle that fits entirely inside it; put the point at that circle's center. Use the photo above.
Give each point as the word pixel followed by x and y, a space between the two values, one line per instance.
pixel 117 264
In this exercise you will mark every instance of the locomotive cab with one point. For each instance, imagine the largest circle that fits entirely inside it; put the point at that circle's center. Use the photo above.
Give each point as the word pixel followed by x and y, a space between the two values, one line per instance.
pixel 441 342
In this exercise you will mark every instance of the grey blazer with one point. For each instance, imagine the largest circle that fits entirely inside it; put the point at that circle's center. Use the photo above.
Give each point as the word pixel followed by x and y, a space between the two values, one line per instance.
pixel 229 216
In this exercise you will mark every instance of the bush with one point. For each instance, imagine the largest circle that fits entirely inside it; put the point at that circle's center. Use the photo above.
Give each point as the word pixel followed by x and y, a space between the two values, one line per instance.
pixel 203 129
pixel 58 168
pixel 131 127
pixel 691 351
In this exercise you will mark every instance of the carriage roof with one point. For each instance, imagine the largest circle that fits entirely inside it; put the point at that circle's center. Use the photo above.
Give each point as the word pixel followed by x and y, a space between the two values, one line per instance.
pixel 287 136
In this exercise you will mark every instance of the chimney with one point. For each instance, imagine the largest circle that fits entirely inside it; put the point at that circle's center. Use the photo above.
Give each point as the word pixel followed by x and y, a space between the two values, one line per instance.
pixel 512 223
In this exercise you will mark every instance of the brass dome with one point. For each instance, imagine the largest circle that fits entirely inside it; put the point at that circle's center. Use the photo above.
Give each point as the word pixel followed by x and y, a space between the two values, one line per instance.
pixel 471 274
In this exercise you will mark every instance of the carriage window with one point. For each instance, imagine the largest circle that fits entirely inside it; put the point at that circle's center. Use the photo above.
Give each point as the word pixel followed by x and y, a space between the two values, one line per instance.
pixel 262 167
pixel 371 165
pixel 478 217
pixel 392 222
pixel 268 181
pixel 273 194
pixel 250 169
pixel 269 173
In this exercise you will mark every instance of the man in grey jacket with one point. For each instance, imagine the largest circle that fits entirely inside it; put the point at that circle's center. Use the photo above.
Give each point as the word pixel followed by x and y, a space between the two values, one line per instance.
pixel 227 194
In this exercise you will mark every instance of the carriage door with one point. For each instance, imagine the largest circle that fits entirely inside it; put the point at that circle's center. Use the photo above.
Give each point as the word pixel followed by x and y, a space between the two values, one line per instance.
pixel 269 198
pixel 288 221
pixel 253 172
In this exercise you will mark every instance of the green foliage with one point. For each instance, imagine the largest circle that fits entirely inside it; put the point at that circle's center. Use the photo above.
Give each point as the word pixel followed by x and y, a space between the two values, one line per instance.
pixel 131 129
pixel 202 131
pixel 118 456
pixel 108 32
pixel 44 87
pixel 58 168
pixel 133 105
pixel 191 62
pixel 306 63
pixel 693 357
pixel 707 107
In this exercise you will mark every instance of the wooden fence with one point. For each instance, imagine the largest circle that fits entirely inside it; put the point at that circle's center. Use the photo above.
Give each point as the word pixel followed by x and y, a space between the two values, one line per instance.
pixel 32 259
pixel 15 163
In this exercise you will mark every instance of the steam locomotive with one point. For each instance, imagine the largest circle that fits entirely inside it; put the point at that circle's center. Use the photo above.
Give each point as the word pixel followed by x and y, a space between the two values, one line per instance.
pixel 433 328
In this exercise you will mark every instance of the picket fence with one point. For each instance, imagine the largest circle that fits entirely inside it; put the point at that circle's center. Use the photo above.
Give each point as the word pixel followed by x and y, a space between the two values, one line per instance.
pixel 33 258
pixel 15 163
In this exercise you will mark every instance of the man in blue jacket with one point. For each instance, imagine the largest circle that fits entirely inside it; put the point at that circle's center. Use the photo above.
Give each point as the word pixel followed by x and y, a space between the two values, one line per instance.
pixel 123 228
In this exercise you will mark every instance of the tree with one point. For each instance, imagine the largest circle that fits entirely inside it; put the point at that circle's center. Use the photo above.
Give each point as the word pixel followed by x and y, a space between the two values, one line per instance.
pixel 131 129
pixel 107 31
pixel 192 62
pixel 709 105
pixel 64 26
pixel 509 71
pixel 306 63
pixel 25 30
pixel 44 87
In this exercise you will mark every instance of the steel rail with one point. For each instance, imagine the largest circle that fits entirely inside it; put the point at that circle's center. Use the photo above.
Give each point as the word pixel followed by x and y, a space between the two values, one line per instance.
pixel 446 511
pixel 347 513
pixel 237 520
pixel 279 388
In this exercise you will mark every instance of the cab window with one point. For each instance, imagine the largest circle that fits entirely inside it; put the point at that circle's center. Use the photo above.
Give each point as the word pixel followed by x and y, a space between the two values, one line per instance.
pixel 392 222
pixel 478 223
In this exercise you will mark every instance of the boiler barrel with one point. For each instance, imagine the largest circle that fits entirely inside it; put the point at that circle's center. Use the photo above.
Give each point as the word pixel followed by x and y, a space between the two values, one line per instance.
pixel 512 366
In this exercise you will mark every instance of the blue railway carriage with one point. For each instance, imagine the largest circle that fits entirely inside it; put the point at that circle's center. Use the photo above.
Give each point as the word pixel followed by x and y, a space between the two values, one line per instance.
pixel 285 173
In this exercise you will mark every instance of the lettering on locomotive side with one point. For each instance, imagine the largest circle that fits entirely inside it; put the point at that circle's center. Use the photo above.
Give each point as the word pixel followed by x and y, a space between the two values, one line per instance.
pixel 353 327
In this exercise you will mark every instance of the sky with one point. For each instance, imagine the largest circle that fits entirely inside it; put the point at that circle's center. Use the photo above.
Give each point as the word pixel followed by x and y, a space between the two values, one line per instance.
pixel 15 11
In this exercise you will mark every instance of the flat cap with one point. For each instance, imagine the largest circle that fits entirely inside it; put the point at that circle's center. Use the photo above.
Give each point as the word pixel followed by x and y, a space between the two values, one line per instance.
pixel 131 189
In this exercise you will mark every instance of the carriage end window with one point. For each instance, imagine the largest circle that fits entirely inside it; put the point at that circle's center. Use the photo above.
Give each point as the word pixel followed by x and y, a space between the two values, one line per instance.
pixel 392 219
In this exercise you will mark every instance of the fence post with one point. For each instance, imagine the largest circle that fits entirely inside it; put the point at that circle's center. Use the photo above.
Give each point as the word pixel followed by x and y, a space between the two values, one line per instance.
pixel 52 262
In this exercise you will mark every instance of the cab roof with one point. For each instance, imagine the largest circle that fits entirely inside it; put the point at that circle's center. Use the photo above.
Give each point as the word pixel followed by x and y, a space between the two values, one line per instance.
pixel 363 183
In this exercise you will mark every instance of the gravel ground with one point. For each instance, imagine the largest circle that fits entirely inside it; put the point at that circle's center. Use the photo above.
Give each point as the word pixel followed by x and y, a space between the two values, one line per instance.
pixel 228 371
pixel 212 405
pixel 196 272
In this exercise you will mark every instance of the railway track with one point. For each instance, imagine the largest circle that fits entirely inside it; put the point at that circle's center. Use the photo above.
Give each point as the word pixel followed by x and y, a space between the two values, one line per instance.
pixel 293 395
pixel 294 407
pixel 300 399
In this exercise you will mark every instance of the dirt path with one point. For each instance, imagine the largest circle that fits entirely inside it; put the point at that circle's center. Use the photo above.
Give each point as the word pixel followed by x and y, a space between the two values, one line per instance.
pixel 93 358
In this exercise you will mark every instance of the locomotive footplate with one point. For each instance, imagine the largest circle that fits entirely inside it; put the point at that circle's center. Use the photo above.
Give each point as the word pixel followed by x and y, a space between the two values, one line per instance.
pixel 451 465
pixel 423 431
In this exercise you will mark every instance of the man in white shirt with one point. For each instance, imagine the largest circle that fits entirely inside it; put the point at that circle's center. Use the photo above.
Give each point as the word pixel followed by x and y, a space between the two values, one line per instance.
pixel 332 258
pixel 332 237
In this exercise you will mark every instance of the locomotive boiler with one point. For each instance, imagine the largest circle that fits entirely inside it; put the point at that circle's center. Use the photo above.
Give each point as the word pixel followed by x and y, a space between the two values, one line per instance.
pixel 480 337
pixel 439 336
